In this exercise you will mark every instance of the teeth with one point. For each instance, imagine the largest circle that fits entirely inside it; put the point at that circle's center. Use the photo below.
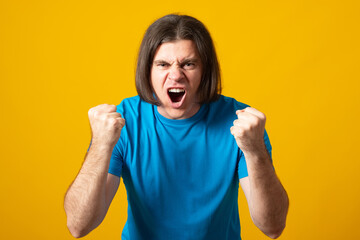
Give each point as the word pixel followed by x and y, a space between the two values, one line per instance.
pixel 176 90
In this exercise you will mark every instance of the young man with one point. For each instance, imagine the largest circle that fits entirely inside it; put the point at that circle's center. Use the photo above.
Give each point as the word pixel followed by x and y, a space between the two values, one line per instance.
pixel 183 150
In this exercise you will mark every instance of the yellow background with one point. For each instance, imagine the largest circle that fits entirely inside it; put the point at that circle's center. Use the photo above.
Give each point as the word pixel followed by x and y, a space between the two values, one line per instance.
pixel 297 61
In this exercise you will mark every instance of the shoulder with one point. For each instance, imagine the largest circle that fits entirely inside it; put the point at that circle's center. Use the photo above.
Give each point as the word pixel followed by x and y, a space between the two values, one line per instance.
pixel 130 101
pixel 132 104
pixel 134 109
pixel 223 111
pixel 227 104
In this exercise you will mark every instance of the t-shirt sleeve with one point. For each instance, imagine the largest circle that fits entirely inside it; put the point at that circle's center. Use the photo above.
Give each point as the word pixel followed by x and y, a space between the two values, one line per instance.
pixel 116 162
pixel 242 168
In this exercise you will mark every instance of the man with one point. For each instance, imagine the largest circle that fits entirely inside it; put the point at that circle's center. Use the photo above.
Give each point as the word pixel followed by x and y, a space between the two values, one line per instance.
pixel 183 150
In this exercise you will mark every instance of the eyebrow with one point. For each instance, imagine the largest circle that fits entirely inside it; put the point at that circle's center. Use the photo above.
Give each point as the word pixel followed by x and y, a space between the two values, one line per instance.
pixel 186 60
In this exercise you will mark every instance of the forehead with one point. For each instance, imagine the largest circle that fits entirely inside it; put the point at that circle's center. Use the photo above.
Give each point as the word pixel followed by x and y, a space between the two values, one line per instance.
pixel 176 51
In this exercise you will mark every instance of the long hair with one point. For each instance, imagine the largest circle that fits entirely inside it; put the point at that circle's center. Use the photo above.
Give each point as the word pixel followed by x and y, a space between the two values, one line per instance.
pixel 171 28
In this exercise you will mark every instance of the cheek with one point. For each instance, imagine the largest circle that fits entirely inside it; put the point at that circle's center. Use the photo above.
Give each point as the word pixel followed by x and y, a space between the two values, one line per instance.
pixel 196 79
pixel 157 77
pixel 156 82
pixel 153 78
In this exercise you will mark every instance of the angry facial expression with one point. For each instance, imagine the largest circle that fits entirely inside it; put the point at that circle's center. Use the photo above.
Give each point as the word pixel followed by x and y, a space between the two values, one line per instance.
pixel 175 77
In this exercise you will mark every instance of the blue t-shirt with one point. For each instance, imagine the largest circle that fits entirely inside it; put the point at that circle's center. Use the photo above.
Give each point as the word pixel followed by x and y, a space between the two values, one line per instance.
pixel 181 176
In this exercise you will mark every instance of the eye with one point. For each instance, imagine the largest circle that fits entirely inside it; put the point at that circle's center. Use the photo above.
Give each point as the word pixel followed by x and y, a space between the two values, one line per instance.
pixel 189 65
pixel 162 65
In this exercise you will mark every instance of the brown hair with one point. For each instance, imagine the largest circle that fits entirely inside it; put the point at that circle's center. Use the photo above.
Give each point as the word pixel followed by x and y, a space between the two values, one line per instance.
pixel 171 28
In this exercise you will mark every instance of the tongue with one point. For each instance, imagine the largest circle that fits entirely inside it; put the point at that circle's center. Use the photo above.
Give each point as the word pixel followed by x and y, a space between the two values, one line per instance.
pixel 176 97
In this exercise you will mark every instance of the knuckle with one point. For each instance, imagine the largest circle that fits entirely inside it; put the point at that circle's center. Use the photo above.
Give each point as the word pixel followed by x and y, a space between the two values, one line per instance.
pixel 102 106
pixel 112 107
pixel 112 121
pixel 239 132
pixel 256 121
pixel 90 111
pixel 246 126
pixel 102 117
pixel 263 117
pixel 93 112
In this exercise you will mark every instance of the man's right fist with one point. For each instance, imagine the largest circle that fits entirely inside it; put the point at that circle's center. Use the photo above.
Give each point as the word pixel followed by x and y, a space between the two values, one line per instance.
pixel 106 125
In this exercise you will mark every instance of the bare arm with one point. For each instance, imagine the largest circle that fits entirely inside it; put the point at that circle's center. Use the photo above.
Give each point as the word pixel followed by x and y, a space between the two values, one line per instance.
pixel 89 196
pixel 267 199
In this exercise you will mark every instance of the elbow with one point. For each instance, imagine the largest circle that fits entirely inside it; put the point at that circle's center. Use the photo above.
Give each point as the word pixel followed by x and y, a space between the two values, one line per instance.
pixel 272 229
pixel 274 232
pixel 75 231
pixel 276 225
pixel 79 227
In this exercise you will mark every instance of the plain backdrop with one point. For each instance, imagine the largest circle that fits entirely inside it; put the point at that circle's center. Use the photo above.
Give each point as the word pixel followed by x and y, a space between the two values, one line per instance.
pixel 296 61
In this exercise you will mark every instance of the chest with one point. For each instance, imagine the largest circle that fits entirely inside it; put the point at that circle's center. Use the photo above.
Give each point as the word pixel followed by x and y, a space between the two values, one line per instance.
pixel 158 153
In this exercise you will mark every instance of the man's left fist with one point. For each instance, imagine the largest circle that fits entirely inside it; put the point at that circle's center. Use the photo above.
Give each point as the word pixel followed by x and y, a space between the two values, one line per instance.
pixel 248 130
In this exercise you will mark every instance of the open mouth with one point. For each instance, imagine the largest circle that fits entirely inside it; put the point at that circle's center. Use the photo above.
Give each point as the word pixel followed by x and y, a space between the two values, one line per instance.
pixel 176 94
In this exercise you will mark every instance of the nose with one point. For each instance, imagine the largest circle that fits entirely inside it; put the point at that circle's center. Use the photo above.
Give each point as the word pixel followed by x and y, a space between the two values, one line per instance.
pixel 175 73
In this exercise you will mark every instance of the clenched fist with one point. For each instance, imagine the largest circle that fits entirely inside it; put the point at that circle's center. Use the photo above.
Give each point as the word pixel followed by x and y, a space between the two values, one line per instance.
pixel 106 125
pixel 248 130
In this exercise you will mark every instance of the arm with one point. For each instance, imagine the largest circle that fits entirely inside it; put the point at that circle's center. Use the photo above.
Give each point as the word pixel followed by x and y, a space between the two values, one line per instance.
pixel 266 197
pixel 267 200
pixel 89 196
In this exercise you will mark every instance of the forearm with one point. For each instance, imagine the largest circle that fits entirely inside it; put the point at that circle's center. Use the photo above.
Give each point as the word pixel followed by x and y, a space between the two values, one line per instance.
pixel 85 200
pixel 268 201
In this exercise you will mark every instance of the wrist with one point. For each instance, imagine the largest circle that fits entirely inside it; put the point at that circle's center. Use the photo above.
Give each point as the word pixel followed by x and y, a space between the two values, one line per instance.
pixel 97 159
pixel 101 146
pixel 257 154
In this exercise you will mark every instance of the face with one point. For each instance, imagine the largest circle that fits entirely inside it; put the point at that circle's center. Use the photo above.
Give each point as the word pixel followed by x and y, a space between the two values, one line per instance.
pixel 175 77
